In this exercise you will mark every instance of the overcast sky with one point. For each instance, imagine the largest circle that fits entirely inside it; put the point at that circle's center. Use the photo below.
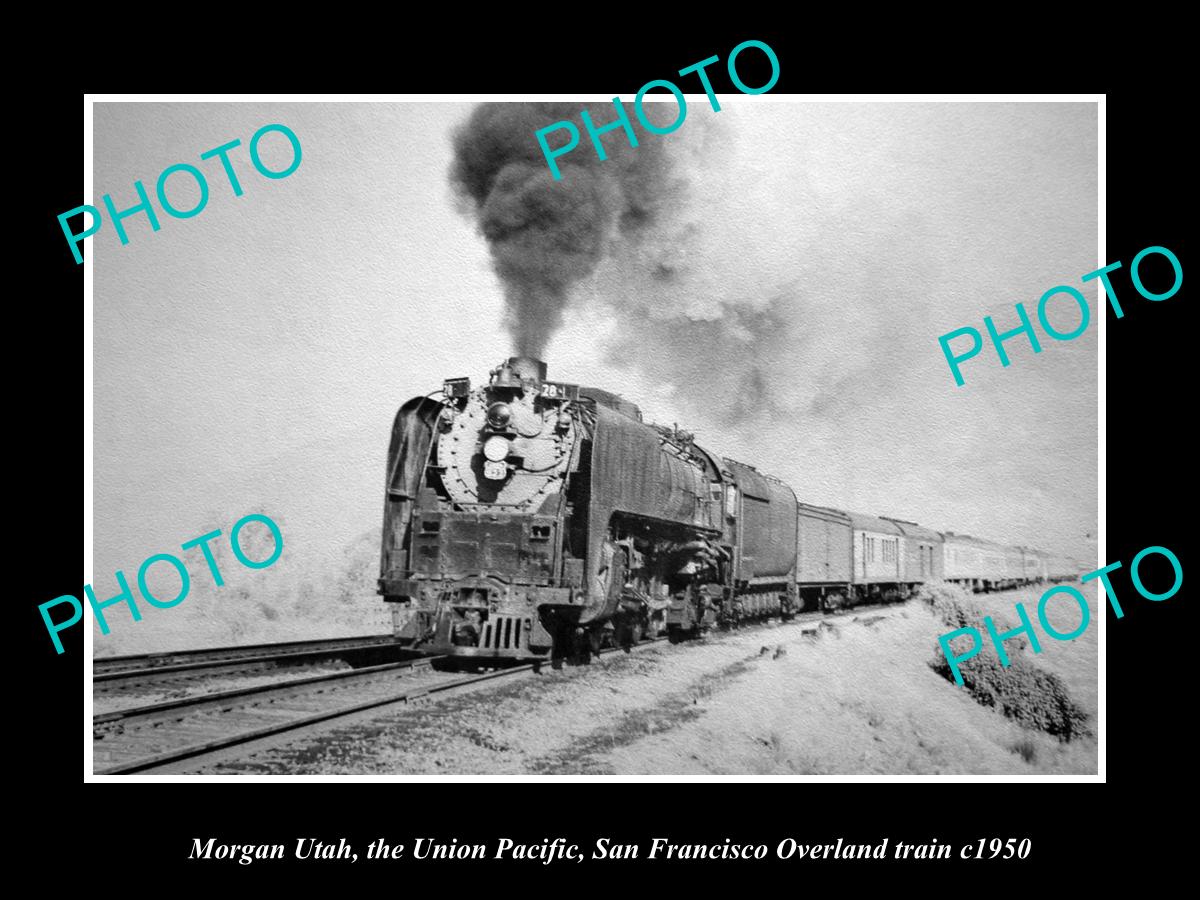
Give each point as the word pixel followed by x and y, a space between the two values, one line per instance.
pixel 250 359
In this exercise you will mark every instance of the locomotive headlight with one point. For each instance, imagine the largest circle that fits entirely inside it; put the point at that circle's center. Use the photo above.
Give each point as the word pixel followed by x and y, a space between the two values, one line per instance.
pixel 499 415
pixel 495 448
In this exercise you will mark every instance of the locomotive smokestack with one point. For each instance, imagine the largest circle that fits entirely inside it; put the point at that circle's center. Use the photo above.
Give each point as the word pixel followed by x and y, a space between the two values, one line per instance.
pixel 525 372
pixel 529 368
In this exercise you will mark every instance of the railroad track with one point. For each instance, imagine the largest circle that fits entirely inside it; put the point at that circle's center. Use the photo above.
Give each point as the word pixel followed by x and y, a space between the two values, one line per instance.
pixel 145 738
pixel 131 674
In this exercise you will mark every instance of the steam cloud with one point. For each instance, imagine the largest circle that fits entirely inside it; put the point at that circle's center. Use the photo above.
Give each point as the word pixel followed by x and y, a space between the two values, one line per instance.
pixel 764 298
pixel 545 235
pixel 722 266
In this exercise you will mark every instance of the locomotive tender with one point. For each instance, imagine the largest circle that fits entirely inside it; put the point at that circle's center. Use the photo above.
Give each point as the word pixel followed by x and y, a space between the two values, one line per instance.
pixel 528 517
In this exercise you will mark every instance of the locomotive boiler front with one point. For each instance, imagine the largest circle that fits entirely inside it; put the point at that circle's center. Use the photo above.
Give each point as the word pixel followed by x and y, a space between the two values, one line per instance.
pixel 506 447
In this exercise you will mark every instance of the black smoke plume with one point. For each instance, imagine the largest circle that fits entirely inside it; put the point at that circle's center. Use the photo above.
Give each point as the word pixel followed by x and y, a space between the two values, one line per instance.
pixel 547 235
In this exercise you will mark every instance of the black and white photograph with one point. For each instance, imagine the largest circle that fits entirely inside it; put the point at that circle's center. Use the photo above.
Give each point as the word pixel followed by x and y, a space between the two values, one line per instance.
pixel 697 437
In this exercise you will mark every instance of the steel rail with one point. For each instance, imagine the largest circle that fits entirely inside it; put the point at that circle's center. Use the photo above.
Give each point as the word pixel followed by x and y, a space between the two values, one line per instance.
pixel 241 737
pixel 107 668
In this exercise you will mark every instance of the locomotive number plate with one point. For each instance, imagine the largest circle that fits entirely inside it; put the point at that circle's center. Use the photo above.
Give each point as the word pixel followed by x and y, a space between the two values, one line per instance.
pixel 555 390
pixel 495 471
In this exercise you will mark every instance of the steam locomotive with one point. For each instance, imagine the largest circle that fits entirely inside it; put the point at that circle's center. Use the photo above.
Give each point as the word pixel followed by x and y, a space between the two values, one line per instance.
pixel 527 518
